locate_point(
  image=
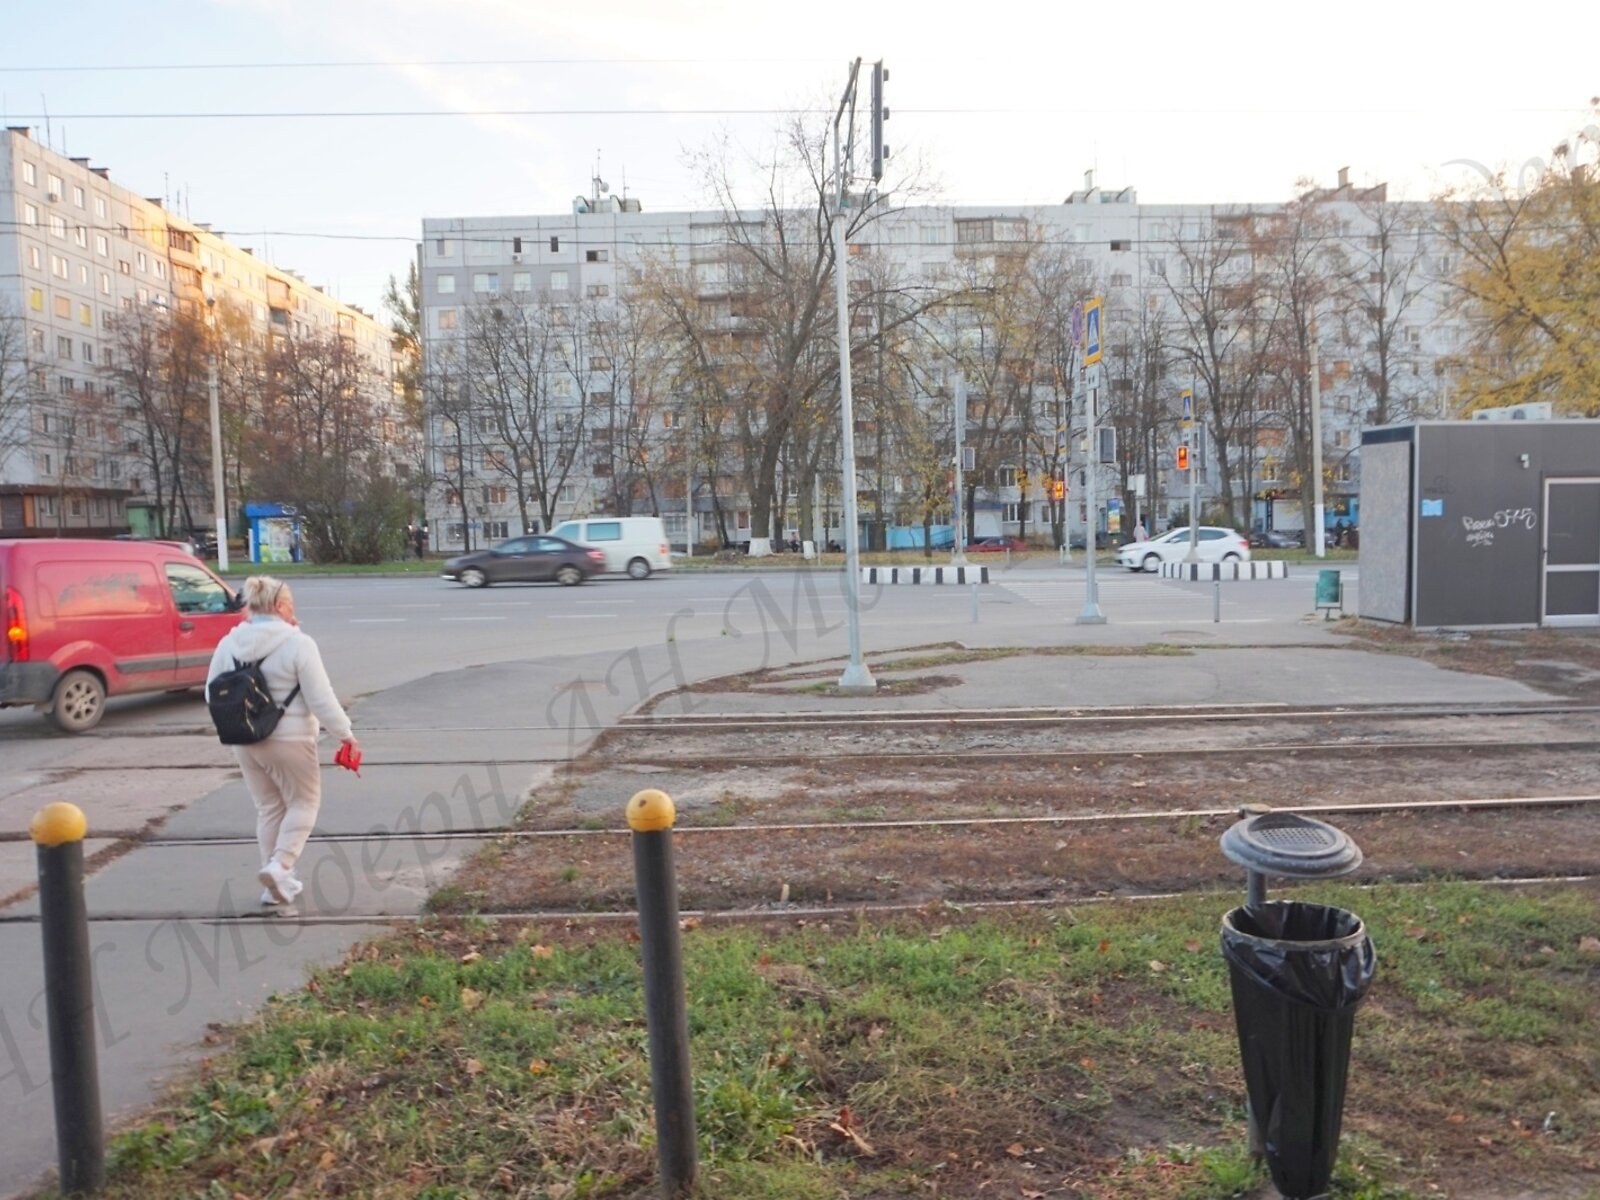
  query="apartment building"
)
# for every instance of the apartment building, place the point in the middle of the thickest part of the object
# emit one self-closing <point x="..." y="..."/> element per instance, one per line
<point x="1142" y="258"/>
<point x="78" y="252"/>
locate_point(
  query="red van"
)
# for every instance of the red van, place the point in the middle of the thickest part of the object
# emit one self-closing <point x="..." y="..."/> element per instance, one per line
<point x="87" y="619"/>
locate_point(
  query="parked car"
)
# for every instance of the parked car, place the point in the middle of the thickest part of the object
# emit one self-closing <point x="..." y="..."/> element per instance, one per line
<point x="86" y="619"/>
<point x="634" y="546"/>
<point x="1215" y="544"/>
<point x="1102" y="540"/>
<point x="996" y="545"/>
<point x="1278" y="539"/>
<point x="536" y="558"/>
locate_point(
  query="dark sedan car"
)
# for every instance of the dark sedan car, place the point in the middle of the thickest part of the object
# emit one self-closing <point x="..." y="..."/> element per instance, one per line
<point x="536" y="558"/>
<point x="1278" y="539"/>
<point x="996" y="545"/>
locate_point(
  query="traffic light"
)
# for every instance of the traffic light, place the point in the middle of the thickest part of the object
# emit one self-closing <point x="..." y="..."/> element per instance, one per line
<point x="1183" y="458"/>
<point x="880" y="114"/>
<point x="1058" y="489"/>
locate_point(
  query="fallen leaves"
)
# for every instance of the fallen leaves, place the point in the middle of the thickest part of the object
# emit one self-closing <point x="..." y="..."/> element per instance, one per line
<point x="845" y="1127"/>
<point x="470" y="999"/>
<point x="1589" y="945"/>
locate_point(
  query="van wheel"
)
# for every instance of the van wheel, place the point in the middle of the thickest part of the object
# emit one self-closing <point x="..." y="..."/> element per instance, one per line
<point x="79" y="701"/>
<point x="569" y="576"/>
<point x="474" y="578"/>
<point x="638" y="569"/>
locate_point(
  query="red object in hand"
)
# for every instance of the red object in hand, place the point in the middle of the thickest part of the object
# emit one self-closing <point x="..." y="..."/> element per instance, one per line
<point x="349" y="757"/>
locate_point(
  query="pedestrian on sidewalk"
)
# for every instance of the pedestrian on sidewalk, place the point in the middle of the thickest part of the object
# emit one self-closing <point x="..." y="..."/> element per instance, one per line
<point x="282" y="772"/>
<point x="1139" y="533"/>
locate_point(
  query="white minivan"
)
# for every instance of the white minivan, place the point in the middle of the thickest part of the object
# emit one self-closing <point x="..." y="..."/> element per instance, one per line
<point x="635" y="546"/>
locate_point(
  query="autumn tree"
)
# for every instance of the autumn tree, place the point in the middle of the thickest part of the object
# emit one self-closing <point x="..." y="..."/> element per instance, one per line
<point x="1529" y="285"/>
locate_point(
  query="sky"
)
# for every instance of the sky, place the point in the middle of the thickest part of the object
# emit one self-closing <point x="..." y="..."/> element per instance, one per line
<point x="1189" y="103"/>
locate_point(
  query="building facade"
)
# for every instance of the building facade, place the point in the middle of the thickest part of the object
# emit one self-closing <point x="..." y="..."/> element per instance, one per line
<point x="81" y="258"/>
<point x="1167" y="273"/>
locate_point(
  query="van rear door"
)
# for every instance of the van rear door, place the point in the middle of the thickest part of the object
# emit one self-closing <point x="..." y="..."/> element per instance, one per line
<point x="203" y="616"/>
<point x="110" y="614"/>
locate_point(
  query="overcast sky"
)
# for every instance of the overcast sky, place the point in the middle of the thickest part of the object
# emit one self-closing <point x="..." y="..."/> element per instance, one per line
<point x="1005" y="103"/>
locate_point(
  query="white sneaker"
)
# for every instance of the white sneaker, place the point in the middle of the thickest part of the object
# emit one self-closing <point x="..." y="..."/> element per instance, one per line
<point x="268" y="900"/>
<point x="280" y="882"/>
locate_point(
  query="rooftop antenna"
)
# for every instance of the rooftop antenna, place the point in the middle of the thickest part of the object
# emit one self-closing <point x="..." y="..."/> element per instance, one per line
<point x="45" y="108"/>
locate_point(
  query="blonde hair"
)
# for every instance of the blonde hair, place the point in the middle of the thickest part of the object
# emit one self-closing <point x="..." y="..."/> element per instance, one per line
<point x="262" y="592"/>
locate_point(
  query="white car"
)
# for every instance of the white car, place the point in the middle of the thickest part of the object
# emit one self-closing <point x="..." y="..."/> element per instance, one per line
<point x="1216" y="545"/>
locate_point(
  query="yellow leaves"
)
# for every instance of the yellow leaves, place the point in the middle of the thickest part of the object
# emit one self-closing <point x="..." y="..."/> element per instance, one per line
<point x="538" y="1067"/>
<point x="470" y="999"/>
<point x="474" y="1067"/>
<point x="541" y="951"/>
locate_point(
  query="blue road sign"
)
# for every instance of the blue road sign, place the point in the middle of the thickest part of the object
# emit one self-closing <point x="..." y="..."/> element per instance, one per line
<point x="1188" y="406"/>
<point x="1091" y="332"/>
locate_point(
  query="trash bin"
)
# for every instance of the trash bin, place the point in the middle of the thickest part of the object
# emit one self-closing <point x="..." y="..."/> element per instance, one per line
<point x="1330" y="592"/>
<point x="1298" y="973"/>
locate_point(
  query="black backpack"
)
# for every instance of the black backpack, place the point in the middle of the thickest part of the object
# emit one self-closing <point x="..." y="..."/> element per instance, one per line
<point x="242" y="708"/>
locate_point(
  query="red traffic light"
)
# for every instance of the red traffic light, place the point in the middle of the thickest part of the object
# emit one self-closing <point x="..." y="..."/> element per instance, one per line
<point x="1183" y="458"/>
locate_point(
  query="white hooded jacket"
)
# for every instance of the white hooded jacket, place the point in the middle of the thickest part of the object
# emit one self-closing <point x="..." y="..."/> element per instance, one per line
<point x="288" y="657"/>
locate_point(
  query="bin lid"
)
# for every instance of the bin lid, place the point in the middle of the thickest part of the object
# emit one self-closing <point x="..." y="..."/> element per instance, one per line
<point x="1281" y="843"/>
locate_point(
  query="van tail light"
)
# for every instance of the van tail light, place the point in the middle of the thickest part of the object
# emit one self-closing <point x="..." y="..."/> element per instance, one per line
<point x="663" y="550"/>
<point x="16" y="627"/>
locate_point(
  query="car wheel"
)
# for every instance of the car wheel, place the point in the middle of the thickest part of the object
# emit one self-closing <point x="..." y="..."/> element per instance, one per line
<point x="474" y="578"/>
<point x="569" y="576"/>
<point x="79" y="701"/>
<point x="1152" y="562"/>
<point x="1227" y="558"/>
<point x="638" y="569"/>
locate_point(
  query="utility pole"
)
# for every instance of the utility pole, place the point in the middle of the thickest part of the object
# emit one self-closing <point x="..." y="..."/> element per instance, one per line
<point x="856" y="679"/>
<point x="213" y="388"/>
<point x="688" y="487"/>
<point x="1316" y="445"/>
<point x="958" y="556"/>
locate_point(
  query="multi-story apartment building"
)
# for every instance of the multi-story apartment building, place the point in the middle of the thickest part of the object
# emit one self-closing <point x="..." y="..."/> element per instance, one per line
<point x="80" y="254"/>
<point x="1156" y="266"/>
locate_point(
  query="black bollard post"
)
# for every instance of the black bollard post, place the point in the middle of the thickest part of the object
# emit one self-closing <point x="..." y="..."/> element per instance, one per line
<point x="650" y="816"/>
<point x="58" y="831"/>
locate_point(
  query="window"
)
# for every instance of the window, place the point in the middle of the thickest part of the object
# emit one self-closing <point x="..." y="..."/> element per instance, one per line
<point x="194" y="591"/>
<point x="105" y="284"/>
<point x="85" y="317"/>
<point x="88" y="355"/>
<point x="594" y="256"/>
<point x="446" y="285"/>
<point x="599" y="362"/>
<point x="1119" y="245"/>
<point x="58" y="266"/>
<point x="522" y="281"/>
<point x="123" y="267"/>
<point x="516" y="245"/>
<point x="555" y="245"/>
<point x="597" y="290"/>
<point x="83" y="274"/>
<point x="36" y="344"/>
<point x="30" y="174"/>
<point x="36" y="299"/>
<point x="447" y="318"/>
<point x="161" y="268"/>
<point x="496" y="530"/>
<point x="444" y="248"/>
<point x="35" y="259"/>
<point x="77" y="196"/>
<point x="668" y="418"/>
<point x="100" y="206"/>
<point x="80" y="237"/>
<point x="63" y="307"/>
<point x="102" y="245"/>
<point x="56" y="186"/>
<point x="30" y="214"/>
<point x="486" y="281"/>
<point x="144" y="262"/>
<point x="494" y="495"/>
<point x="58" y="226"/>
<point x="605" y="531"/>
<point x="558" y="281"/>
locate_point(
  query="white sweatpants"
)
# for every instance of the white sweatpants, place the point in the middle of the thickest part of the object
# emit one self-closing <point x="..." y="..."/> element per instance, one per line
<point x="285" y="781"/>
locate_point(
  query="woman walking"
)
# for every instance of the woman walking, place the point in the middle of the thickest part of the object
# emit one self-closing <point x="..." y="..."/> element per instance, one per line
<point x="281" y="771"/>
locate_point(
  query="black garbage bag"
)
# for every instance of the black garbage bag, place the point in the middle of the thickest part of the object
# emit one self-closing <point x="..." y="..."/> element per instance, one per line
<point x="1298" y="973"/>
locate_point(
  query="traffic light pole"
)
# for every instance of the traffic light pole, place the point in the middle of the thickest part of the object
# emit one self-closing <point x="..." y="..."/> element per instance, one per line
<point x="958" y="556"/>
<point x="1091" y="614"/>
<point x="1194" y="489"/>
<point x="856" y="679"/>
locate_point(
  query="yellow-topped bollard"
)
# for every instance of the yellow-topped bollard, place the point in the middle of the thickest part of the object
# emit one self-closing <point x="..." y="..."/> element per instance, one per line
<point x="650" y="811"/>
<point x="57" y="824"/>
<point x="58" y="831"/>
<point x="650" y="816"/>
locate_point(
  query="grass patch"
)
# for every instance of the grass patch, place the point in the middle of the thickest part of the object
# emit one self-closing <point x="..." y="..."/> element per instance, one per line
<point x="1086" y="1053"/>
<point x="409" y="566"/>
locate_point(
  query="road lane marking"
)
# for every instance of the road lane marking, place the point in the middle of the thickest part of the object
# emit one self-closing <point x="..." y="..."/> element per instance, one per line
<point x="474" y="618"/>
<point x="583" y="616"/>
<point x="377" y="620"/>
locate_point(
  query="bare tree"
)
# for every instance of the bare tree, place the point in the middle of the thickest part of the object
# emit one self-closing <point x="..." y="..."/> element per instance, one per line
<point x="16" y="381"/>
<point x="1385" y="278"/>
